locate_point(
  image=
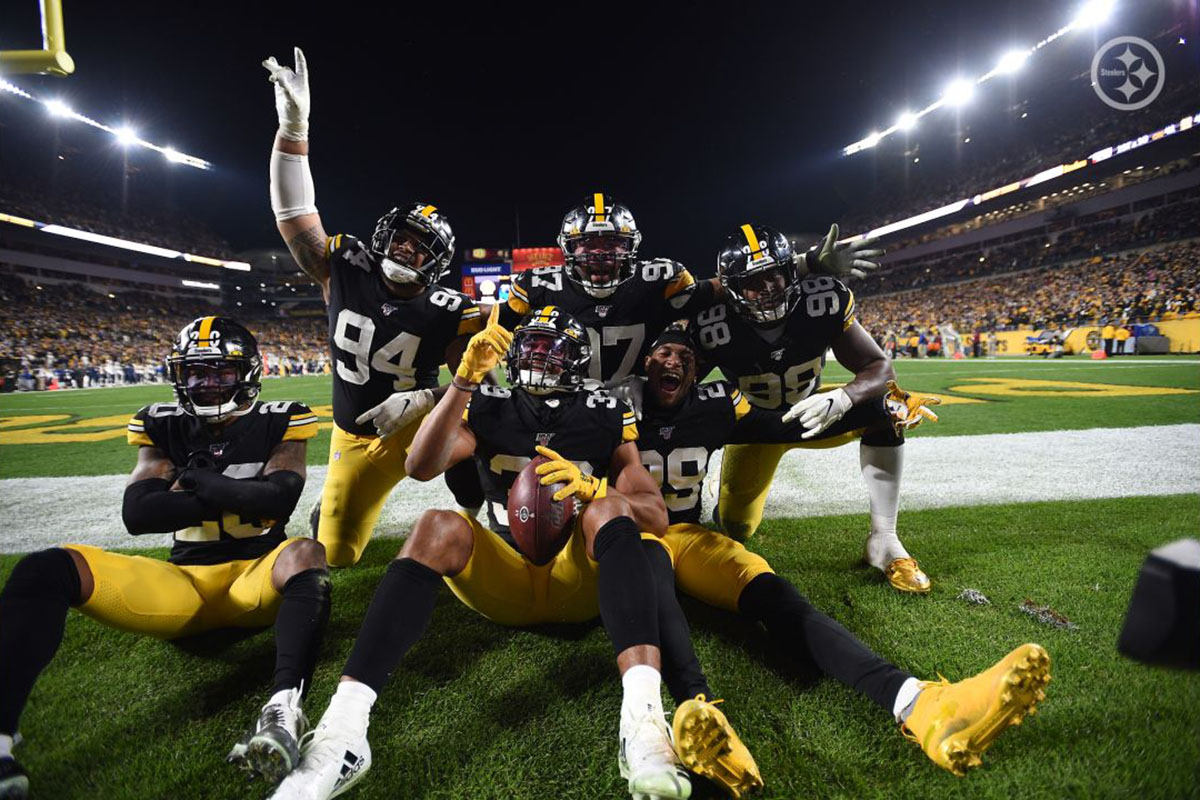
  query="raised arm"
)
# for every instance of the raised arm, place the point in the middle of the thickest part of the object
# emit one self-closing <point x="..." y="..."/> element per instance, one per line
<point x="293" y="197"/>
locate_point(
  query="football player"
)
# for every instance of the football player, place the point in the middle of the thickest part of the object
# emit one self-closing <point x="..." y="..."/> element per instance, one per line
<point x="622" y="301"/>
<point x="391" y="327"/>
<point x="682" y="425"/>
<point x="605" y="569"/>
<point x="223" y="471"/>
<point x="770" y="336"/>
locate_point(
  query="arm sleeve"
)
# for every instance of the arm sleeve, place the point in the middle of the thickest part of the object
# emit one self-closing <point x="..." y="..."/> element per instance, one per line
<point x="272" y="497"/>
<point x="150" y="507"/>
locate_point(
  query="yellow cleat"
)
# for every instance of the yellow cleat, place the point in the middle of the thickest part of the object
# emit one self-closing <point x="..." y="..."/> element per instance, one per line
<point x="955" y="722"/>
<point x="906" y="576"/>
<point x="708" y="746"/>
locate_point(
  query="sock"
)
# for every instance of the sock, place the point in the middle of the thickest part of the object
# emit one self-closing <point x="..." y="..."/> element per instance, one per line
<point x="33" y="615"/>
<point x="813" y="638"/>
<point x="625" y="585"/>
<point x="680" y="668"/>
<point x="352" y="697"/>
<point x="642" y="687"/>
<point x="906" y="698"/>
<point x="300" y="628"/>
<point x="881" y="469"/>
<point x="6" y="745"/>
<point x="396" y="619"/>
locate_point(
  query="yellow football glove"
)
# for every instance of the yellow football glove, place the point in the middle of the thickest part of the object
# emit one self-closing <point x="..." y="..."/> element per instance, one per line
<point x="909" y="409"/>
<point x="485" y="349"/>
<point x="585" y="488"/>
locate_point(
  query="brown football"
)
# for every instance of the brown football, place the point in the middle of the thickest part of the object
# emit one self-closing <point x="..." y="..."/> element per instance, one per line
<point x="540" y="526"/>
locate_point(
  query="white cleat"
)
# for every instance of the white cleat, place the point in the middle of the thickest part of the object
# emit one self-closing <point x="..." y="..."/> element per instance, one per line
<point x="335" y="758"/>
<point x="648" y="761"/>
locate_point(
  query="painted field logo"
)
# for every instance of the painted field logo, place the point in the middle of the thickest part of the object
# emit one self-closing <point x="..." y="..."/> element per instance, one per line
<point x="1128" y="73"/>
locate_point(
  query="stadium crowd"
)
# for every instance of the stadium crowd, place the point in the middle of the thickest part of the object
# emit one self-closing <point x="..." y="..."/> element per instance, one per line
<point x="73" y="336"/>
<point x="1131" y="287"/>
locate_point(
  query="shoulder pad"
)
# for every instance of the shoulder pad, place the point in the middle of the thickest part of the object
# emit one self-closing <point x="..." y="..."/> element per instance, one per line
<point x="350" y="250"/>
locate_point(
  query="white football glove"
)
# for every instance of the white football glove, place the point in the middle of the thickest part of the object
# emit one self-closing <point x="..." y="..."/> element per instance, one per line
<point x="291" y="97"/>
<point x="818" y="411"/>
<point x="398" y="411"/>
<point x="855" y="259"/>
<point x="631" y="391"/>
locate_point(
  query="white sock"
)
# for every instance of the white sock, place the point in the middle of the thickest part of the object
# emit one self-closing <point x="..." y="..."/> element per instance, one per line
<point x="280" y="697"/>
<point x="6" y="745"/>
<point x="643" y="691"/>
<point x="881" y="469"/>
<point x="906" y="698"/>
<point x="352" y="698"/>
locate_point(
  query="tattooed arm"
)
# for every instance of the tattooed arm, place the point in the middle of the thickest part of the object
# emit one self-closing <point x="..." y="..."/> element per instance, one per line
<point x="305" y="235"/>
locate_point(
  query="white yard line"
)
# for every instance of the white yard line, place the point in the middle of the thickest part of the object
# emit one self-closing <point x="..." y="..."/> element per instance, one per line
<point x="939" y="472"/>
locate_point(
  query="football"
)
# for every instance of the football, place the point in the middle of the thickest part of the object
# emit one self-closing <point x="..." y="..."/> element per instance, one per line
<point x="540" y="526"/>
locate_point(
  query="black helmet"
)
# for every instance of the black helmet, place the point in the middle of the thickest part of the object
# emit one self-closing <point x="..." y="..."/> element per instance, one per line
<point x="599" y="216"/>
<point x="747" y="258"/>
<point x="550" y="351"/>
<point x="435" y="239"/>
<point x="215" y="368"/>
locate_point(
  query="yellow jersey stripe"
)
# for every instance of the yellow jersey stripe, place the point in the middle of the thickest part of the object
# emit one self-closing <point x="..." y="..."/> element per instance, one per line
<point x="756" y="248"/>
<point x="849" y="314"/>
<point x="741" y="406"/>
<point x="299" y="433"/>
<point x="515" y="290"/>
<point x="471" y="325"/>
<point x="629" y="433"/>
<point x="473" y="311"/>
<point x="520" y="305"/>
<point x="138" y="438"/>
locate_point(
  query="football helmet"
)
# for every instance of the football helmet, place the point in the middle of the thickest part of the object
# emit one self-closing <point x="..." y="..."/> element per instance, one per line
<point x="599" y="239"/>
<point x="550" y="352"/>
<point x="433" y="238"/>
<point x="756" y="267"/>
<point x="216" y="368"/>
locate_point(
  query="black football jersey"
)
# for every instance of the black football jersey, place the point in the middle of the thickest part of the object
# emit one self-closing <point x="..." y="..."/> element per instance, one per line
<point x="381" y="343"/>
<point x="240" y="450"/>
<point x="776" y="373"/>
<point x="621" y="326"/>
<point x="676" y="444"/>
<point x="583" y="427"/>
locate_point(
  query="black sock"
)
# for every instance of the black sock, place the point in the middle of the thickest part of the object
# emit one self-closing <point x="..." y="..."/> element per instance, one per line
<point x="625" y="585"/>
<point x="681" y="669"/>
<point x="300" y="627"/>
<point x="397" y="618"/>
<point x="33" y="615"/>
<point x="812" y="637"/>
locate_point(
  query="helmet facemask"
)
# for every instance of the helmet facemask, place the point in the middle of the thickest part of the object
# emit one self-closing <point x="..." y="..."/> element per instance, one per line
<point x="549" y="353"/>
<point x="764" y="295"/>
<point x="599" y="262"/>
<point x="413" y="246"/>
<point x="214" y="388"/>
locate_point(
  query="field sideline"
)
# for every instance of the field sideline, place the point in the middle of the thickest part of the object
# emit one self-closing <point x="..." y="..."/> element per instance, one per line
<point x="1044" y="480"/>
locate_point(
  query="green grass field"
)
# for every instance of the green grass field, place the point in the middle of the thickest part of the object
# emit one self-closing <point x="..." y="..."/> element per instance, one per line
<point x="480" y="711"/>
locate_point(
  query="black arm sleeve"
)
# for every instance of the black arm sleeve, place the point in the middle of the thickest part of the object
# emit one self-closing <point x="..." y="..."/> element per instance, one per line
<point x="761" y="426"/>
<point x="273" y="497"/>
<point x="151" y="507"/>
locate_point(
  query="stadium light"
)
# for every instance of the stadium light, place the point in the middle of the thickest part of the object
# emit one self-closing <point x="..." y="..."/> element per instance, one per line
<point x="907" y="121"/>
<point x="199" y="284"/>
<point x="958" y="93"/>
<point x="1011" y="61"/>
<point x="58" y="108"/>
<point x="1093" y="13"/>
<point x="126" y="136"/>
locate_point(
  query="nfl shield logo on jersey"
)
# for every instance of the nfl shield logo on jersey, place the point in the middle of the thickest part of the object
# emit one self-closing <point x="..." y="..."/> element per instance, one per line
<point x="544" y="438"/>
<point x="666" y="431"/>
<point x="388" y="309"/>
<point x="777" y="354"/>
<point x="602" y="311"/>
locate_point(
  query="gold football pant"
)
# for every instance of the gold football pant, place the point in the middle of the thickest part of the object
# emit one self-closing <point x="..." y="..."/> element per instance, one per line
<point x="502" y="586"/>
<point x="710" y="566"/>
<point x="158" y="598"/>
<point x="363" y="470"/>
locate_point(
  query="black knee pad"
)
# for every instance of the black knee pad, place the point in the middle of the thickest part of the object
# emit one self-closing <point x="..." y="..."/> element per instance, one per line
<point x="49" y="574"/>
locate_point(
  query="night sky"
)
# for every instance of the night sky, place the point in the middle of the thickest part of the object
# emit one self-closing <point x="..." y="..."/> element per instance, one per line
<point x="697" y="116"/>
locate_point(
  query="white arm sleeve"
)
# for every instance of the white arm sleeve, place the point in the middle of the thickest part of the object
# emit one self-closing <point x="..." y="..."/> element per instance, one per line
<point x="292" y="191"/>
